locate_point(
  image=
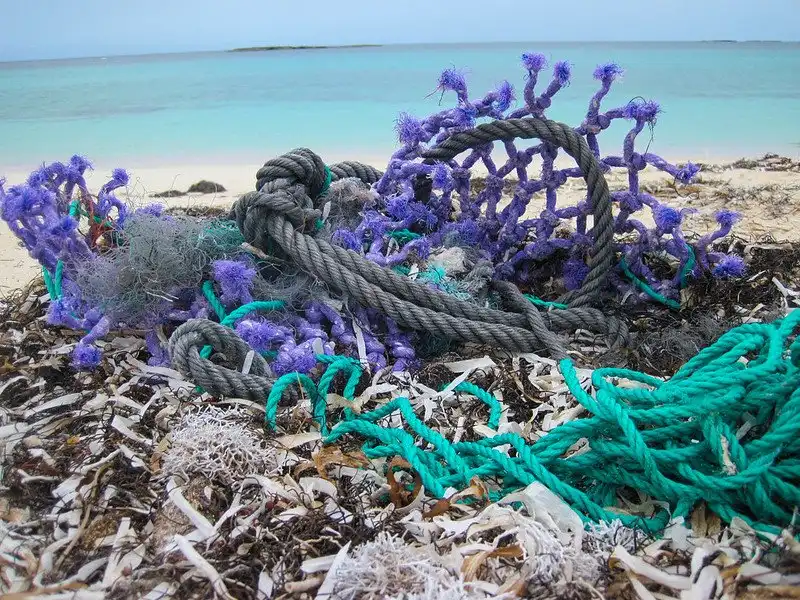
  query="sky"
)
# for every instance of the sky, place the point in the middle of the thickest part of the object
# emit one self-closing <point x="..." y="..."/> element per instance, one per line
<point x="40" y="29"/>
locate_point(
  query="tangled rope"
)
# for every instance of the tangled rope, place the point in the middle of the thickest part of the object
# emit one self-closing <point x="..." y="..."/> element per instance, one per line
<point x="723" y="430"/>
<point x="281" y="216"/>
<point x="601" y="257"/>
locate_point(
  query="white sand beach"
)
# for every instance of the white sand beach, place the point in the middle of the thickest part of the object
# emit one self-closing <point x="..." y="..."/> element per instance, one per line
<point x="769" y="200"/>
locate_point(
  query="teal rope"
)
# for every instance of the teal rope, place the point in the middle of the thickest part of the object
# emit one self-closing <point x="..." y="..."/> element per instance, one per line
<point x="544" y="303"/>
<point x="53" y="283"/>
<point x="250" y="307"/>
<point x="495" y="408"/>
<point x="665" y="440"/>
<point x="343" y="364"/>
<point x="691" y="261"/>
<point x="318" y="394"/>
<point x="404" y="235"/>
<point x="642" y="285"/>
<point x="216" y="305"/>
<point x="327" y="185"/>
<point x="281" y="385"/>
<point x="433" y="274"/>
<point x="48" y="283"/>
<point x="239" y="313"/>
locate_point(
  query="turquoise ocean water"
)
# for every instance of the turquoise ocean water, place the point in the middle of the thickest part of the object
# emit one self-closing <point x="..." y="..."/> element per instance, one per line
<point x="719" y="99"/>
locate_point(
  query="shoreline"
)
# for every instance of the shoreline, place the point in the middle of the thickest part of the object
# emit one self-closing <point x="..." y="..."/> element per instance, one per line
<point x="237" y="172"/>
<point x="16" y="172"/>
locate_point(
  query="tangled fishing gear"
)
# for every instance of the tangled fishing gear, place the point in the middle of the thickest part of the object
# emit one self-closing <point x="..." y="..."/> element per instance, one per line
<point x="426" y="220"/>
<point x="389" y="260"/>
<point x="722" y="430"/>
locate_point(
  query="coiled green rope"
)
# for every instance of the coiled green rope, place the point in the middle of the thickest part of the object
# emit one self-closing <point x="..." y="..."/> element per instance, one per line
<point x="723" y="430"/>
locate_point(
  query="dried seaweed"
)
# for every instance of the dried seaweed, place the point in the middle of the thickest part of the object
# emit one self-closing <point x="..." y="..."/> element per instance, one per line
<point x="104" y="495"/>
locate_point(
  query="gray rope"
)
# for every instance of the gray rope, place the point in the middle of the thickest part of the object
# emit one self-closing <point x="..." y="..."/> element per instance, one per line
<point x="303" y="165"/>
<point x="184" y="348"/>
<point x="601" y="257"/>
<point x="281" y="215"/>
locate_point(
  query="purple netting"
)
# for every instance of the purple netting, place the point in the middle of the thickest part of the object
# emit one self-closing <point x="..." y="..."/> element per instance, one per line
<point x="524" y="246"/>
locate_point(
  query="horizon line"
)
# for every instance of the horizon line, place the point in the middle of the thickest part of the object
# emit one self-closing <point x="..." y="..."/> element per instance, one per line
<point x="368" y="46"/>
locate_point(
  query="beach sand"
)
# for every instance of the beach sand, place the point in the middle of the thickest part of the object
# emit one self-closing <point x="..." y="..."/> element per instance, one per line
<point x="769" y="200"/>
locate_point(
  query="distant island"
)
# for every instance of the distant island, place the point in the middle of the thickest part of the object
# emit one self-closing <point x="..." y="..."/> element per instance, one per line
<point x="273" y="48"/>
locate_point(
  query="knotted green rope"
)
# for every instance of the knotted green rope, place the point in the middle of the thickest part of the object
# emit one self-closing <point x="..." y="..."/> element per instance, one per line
<point x="724" y="430"/>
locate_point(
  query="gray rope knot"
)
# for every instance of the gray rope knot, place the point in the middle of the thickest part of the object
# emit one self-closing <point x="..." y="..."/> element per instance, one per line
<point x="300" y="166"/>
<point x="290" y="186"/>
<point x="286" y="186"/>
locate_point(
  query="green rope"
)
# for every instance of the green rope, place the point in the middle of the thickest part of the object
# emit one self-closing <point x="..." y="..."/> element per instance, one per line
<point x="495" y="408"/>
<point x="48" y="283"/>
<point x="435" y="275"/>
<point x="404" y="235"/>
<point x="229" y="320"/>
<point x="327" y="185"/>
<point x="281" y="385"/>
<point x="691" y="261"/>
<point x="677" y="441"/>
<point x="642" y="285"/>
<point x="95" y="218"/>
<point x="53" y="283"/>
<point x="318" y="394"/>
<point x="544" y="303"/>
<point x="250" y="307"/>
<point x="337" y="364"/>
<point x="216" y="305"/>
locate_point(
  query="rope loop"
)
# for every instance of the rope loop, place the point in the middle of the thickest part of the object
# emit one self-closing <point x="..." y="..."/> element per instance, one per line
<point x="601" y="257"/>
<point x="186" y="345"/>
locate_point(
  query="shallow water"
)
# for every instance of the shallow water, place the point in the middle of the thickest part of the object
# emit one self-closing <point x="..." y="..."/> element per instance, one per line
<point x="719" y="99"/>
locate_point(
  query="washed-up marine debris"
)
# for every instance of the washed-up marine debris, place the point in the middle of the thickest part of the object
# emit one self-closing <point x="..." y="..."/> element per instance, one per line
<point x="337" y="270"/>
<point x="428" y="220"/>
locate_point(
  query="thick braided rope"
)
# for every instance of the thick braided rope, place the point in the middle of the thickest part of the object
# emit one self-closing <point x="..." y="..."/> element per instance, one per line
<point x="186" y="344"/>
<point x="283" y="211"/>
<point x="601" y="257"/>
<point x="308" y="254"/>
<point x="303" y="165"/>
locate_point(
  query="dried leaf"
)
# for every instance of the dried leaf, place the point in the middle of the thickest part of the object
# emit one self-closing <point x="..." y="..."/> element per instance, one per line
<point x="333" y="455"/>
<point x="472" y="564"/>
